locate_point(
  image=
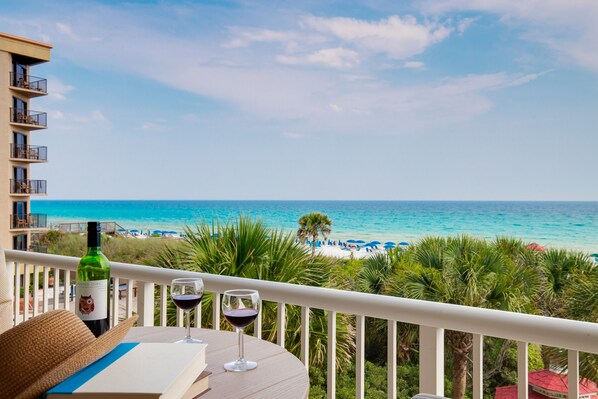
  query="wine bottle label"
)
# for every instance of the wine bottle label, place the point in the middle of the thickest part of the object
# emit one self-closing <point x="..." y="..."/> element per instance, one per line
<point x="91" y="300"/>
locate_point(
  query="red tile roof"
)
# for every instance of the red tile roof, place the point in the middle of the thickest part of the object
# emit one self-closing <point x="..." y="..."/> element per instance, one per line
<point x="510" y="392"/>
<point x="552" y="381"/>
<point x="548" y="380"/>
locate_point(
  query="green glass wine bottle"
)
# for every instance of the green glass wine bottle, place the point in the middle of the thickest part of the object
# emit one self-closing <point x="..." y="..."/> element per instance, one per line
<point x="93" y="284"/>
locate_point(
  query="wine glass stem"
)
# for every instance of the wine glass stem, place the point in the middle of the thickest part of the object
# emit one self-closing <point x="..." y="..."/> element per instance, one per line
<point x="188" y="325"/>
<point x="241" y="346"/>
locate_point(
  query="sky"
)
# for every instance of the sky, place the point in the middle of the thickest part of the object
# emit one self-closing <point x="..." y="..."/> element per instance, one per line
<point x="332" y="100"/>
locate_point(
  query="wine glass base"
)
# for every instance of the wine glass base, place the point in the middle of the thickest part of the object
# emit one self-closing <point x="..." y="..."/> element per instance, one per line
<point x="240" y="365"/>
<point x="189" y="341"/>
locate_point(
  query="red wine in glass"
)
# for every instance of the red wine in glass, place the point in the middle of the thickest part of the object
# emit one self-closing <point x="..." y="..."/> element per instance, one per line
<point x="240" y="318"/>
<point x="240" y="308"/>
<point x="186" y="302"/>
<point x="186" y="294"/>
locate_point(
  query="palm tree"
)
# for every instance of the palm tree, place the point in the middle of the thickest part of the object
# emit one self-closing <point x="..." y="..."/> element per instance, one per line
<point x="247" y="248"/>
<point x="464" y="271"/>
<point x="311" y="225"/>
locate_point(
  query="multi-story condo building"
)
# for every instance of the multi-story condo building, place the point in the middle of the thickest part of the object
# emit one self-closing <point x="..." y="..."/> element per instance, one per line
<point x="18" y="124"/>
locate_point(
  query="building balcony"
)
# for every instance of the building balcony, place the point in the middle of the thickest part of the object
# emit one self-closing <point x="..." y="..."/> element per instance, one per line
<point x="29" y="86"/>
<point x="27" y="187"/>
<point x="30" y="120"/>
<point x="28" y="153"/>
<point x="431" y="318"/>
<point x="28" y="221"/>
<point x="38" y="248"/>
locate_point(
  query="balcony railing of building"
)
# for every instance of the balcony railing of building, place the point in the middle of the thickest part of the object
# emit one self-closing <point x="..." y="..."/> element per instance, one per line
<point x="25" y="186"/>
<point x="29" y="82"/>
<point x="29" y="221"/>
<point x="33" y="119"/>
<point x="151" y="284"/>
<point x="38" y="248"/>
<point x="29" y="153"/>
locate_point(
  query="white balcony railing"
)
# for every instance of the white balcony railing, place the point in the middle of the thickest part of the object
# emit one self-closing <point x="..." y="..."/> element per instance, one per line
<point x="432" y="318"/>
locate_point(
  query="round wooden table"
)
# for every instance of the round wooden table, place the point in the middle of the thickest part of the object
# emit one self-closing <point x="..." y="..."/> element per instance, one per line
<point x="279" y="374"/>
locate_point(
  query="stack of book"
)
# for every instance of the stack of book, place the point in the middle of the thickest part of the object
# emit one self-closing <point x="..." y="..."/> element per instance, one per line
<point x="140" y="371"/>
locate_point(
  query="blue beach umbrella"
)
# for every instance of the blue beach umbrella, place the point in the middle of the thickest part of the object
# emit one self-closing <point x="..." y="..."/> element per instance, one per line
<point x="403" y="243"/>
<point x="351" y="241"/>
<point x="389" y="243"/>
<point x="359" y="242"/>
<point x="134" y="231"/>
<point x="157" y="232"/>
<point x="369" y="244"/>
<point x="376" y="242"/>
<point x="387" y="246"/>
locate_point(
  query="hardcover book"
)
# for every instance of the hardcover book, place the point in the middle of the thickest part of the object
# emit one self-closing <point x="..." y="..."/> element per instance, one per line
<point x="137" y="371"/>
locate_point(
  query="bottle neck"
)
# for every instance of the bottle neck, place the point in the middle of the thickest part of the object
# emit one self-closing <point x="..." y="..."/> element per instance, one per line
<point x="94" y="240"/>
<point x="94" y="250"/>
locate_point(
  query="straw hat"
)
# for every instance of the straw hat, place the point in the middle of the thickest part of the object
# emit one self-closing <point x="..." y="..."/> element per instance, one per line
<point x="45" y="350"/>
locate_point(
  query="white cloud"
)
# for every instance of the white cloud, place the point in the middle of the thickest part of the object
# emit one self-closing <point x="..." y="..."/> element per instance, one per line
<point x="399" y="38"/>
<point x="293" y="136"/>
<point x="245" y="37"/>
<point x="310" y="99"/>
<point x="570" y="28"/>
<point x="414" y="65"/>
<point x="339" y="58"/>
<point x="336" y="108"/>
<point x="67" y="30"/>
<point x="98" y="116"/>
<point x="335" y="57"/>
<point x="57" y="90"/>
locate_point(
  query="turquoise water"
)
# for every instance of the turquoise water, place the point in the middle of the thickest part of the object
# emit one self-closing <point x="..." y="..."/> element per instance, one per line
<point x="560" y="224"/>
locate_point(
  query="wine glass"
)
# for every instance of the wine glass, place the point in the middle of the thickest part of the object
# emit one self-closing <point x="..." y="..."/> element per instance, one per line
<point x="240" y="308"/>
<point x="186" y="294"/>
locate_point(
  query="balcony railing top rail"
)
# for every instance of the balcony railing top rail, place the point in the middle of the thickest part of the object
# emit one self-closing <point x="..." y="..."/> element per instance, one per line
<point x="29" y="152"/>
<point x="29" y="82"/>
<point x="25" y="186"/>
<point x="32" y="118"/>
<point x="562" y="333"/>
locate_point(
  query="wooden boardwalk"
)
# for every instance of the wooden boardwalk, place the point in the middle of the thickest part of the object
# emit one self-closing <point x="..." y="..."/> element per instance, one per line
<point x="112" y="228"/>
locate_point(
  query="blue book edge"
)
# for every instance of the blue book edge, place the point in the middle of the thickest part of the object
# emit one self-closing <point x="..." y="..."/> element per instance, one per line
<point x="72" y="383"/>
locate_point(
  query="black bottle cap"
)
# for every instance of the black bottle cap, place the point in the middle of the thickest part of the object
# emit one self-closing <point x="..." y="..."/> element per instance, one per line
<point x="93" y="234"/>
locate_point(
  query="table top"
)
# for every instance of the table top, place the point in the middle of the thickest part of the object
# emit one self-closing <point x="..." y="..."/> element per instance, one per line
<point x="279" y="374"/>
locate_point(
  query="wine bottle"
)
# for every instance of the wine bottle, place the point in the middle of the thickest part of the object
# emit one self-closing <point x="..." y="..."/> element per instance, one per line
<point x="93" y="284"/>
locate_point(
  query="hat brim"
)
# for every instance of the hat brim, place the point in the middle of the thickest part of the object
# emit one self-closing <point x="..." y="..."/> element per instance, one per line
<point x="82" y="358"/>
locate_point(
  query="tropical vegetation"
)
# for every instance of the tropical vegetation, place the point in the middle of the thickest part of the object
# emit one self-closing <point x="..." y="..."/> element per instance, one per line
<point x="498" y="274"/>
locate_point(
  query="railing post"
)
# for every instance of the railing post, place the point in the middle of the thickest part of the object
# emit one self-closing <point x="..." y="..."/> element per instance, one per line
<point x="17" y="293"/>
<point x="46" y="290"/>
<point x="163" y="304"/>
<point x="360" y="357"/>
<point x="115" y="299"/>
<point x="130" y="291"/>
<point x="36" y="290"/>
<point x="145" y="304"/>
<point x="257" y="324"/>
<point x="478" y="368"/>
<point x="522" y="381"/>
<point x="26" y="293"/>
<point x="573" y="373"/>
<point x="281" y="318"/>
<point x="305" y="336"/>
<point x="11" y="287"/>
<point x="216" y="311"/>
<point x="67" y="290"/>
<point x="331" y="388"/>
<point x="431" y="360"/>
<point x="391" y="360"/>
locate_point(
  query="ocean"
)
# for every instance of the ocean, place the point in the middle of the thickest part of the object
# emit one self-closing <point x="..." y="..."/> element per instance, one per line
<point x="572" y="225"/>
